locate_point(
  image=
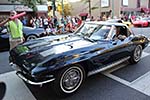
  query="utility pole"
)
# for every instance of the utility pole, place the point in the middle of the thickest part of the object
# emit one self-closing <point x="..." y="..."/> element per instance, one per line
<point x="62" y="3"/>
<point x="100" y="9"/>
<point x="112" y="8"/>
<point x="148" y="3"/>
<point x="54" y="7"/>
<point x="90" y="7"/>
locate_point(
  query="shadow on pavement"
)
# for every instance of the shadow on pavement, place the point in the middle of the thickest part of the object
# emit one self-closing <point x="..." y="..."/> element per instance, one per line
<point x="97" y="87"/>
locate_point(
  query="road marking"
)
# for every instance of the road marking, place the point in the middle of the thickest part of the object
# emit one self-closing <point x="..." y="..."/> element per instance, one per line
<point x="117" y="78"/>
<point x="15" y="87"/>
<point x="144" y="54"/>
<point x="141" y="84"/>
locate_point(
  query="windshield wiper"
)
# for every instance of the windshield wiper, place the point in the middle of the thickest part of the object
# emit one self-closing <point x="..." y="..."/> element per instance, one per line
<point x="80" y="34"/>
<point x="86" y="38"/>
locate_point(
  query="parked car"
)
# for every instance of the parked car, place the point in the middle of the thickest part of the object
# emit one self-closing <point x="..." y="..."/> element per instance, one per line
<point x="66" y="60"/>
<point x="141" y="23"/>
<point x="29" y="34"/>
<point x="147" y="19"/>
<point x="120" y="21"/>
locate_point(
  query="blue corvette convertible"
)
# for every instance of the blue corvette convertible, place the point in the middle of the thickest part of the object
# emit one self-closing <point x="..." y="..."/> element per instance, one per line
<point x="66" y="60"/>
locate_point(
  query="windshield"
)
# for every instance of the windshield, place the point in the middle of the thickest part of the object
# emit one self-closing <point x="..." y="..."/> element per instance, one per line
<point x="94" y="31"/>
<point x="146" y="19"/>
<point x="101" y="33"/>
<point x="87" y="29"/>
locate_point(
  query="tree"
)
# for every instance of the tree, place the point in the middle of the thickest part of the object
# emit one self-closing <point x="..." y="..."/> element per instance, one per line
<point x="63" y="8"/>
<point x="30" y="3"/>
<point x="67" y="9"/>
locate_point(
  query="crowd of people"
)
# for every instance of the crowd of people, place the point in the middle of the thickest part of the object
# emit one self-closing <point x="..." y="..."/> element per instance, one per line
<point x="53" y="25"/>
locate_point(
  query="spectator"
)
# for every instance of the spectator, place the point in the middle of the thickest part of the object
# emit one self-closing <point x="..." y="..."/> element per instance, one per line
<point x="24" y="21"/>
<point x="45" y="23"/>
<point x="32" y="22"/>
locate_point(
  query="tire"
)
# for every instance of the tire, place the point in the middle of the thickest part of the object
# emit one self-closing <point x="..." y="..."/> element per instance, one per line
<point x="149" y="24"/>
<point x="136" y="55"/>
<point x="69" y="80"/>
<point x="31" y="37"/>
<point x="2" y="90"/>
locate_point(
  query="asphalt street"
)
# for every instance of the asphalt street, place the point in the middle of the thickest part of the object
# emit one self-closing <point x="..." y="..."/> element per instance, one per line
<point x="124" y="82"/>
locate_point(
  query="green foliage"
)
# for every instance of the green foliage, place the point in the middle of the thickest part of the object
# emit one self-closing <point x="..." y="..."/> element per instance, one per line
<point x="66" y="11"/>
<point x="30" y="3"/>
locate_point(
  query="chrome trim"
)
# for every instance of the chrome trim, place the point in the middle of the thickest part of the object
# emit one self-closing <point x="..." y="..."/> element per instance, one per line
<point x="15" y="67"/>
<point x="107" y="67"/>
<point x="31" y="82"/>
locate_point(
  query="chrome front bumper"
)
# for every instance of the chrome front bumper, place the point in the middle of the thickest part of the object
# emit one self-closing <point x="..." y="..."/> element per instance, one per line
<point x="31" y="82"/>
<point x="20" y="75"/>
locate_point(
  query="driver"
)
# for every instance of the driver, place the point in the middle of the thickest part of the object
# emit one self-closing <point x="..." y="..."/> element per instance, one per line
<point x="118" y="35"/>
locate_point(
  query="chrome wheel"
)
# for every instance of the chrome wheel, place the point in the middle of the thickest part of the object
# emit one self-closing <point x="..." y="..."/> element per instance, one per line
<point x="71" y="79"/>
<point x="31" y="37"/>
<point x="137" y="53"/>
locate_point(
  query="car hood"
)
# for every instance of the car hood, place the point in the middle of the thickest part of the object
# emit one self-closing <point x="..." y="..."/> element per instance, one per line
<point x="138" y="22"/>
<point x="40" y="50"/>
<point x="52" y="45"/>
<point x="56" y="44"/>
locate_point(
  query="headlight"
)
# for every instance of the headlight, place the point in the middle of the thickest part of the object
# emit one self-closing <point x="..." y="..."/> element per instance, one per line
<point x="33" y="64"/>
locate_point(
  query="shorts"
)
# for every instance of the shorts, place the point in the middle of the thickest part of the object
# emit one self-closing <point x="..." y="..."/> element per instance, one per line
<point x="14" y="42"/>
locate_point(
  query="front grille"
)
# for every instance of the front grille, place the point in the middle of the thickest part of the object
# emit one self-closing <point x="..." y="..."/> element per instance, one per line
<point x="18" y="60"/>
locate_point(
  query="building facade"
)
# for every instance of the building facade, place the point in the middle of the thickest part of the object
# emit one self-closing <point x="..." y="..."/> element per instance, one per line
<point x="112" y="7"/>
<point x="6" y="7"/>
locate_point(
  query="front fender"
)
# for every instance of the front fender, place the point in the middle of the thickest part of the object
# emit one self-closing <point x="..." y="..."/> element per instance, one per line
<point x="73" y="59"/>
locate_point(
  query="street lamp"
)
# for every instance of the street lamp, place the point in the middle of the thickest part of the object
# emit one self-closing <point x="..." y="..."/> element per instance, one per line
<point x="62" y="3"/>
<point x="54" y="7"/>
<point x="112" y="8"/>
<point x="90" y="7"/>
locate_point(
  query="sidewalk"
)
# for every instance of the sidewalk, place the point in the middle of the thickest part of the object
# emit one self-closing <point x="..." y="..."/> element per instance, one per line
<point x="15" y="87"/>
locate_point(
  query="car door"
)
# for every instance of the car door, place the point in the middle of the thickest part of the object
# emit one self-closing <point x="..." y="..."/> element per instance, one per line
<point x="119" y="48"/>
<point x="102" y="54"/>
